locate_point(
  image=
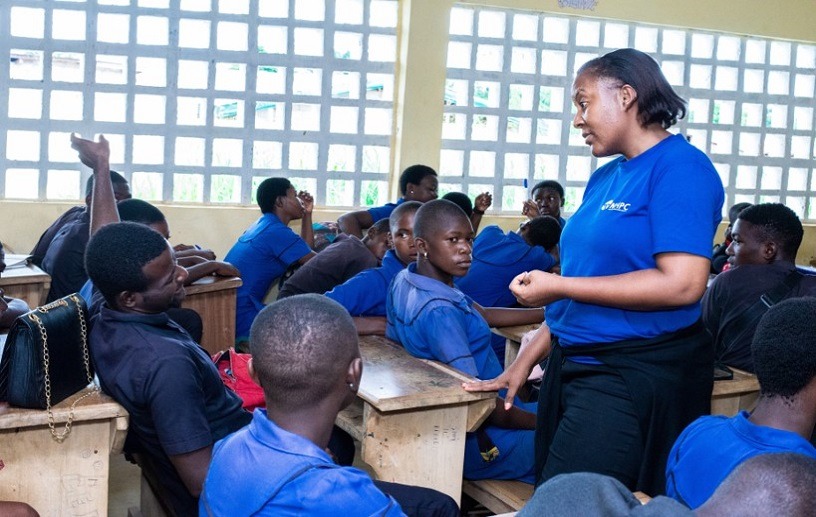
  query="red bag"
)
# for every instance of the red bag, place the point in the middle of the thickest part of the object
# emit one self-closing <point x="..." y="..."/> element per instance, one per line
<point x="232" y="366"/>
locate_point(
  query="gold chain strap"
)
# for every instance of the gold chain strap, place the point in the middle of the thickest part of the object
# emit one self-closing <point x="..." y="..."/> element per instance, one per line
<point x="60" y="436"/>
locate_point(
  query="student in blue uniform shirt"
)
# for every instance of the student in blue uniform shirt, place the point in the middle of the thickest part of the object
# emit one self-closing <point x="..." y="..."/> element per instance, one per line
<point x="269" y="247"/>
<point x="417" y="183"/>
<point x="306" y="357"/>
<point x="547" y="198"/>
<point x="434" y="320"/>
<point x="363" y="295"/>
<point x="783" y="421"/>
<point x="630" y="366"/>
<point x="499" y="257"/>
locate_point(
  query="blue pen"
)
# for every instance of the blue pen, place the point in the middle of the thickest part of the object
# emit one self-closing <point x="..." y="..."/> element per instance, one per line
<point x="525" y="183"/>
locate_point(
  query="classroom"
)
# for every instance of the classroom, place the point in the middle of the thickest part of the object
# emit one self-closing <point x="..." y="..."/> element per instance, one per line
<point x="202" y="100"/>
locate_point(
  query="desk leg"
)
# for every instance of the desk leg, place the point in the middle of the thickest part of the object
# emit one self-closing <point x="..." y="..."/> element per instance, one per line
<point x="423" y="448"/>
<point x="511" y="350"/>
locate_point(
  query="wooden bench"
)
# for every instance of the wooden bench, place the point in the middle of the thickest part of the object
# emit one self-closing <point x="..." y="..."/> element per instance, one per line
<point x="411" y="417"/>
<point x="68" y="478"/>
<point x="213" y="298"/>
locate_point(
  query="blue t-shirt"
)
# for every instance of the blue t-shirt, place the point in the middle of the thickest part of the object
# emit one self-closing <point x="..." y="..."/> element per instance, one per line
<point x="435" y="321"/>
<point x="713" y="446"/>
<point x="499" y="257"/>
<point x="667" y="199"/>
<point x="265" y="470"/>
<point x="262" y="254"/>
<point x="364" y="293"/>
<point x="383" y="212"/>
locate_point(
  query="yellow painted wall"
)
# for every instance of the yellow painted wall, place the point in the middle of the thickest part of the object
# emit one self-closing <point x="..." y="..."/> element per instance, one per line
<point x="420" y="88"/>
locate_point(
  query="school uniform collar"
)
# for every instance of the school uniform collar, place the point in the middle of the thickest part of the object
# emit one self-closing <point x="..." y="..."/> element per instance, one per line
<point x="435" y="287"/>
<point x="268" y="433"/>
<point x="160" y="319"/>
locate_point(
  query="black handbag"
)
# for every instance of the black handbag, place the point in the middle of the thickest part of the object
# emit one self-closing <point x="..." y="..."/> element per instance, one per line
<point x="46" y="359"/>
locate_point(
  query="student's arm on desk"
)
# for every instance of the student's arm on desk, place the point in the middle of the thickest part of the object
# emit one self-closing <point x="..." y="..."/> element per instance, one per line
<point x="503" y="317"/>
<point x="192" y="468"/>
<point x="370" y="325"/>
<point x="352" y="223"/>
<point x="208" y="268"/>
<point x="194" y="252"/>
<point x="515" y="375"/>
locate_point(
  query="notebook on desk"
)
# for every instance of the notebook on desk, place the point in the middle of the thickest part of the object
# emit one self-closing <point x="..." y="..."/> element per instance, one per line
<point x="15" y="261"/>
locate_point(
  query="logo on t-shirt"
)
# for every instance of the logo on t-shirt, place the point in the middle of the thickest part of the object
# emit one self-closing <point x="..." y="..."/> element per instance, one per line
<point x="620" y="206"/>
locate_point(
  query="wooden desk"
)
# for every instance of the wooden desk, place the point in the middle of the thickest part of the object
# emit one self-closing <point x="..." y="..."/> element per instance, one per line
<point x="411" y="417"/>
<point x="30" y="283"/>
<point x="727" y="398"/>
<point x="213" y="298"/>
<point x="69" y="478"/>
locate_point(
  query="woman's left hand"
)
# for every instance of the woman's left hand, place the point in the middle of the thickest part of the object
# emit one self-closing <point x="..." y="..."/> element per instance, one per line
<point x="536" y="288"/>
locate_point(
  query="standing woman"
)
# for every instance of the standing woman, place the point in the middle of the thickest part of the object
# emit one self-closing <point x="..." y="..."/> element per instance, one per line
<point x="630" y="365"/>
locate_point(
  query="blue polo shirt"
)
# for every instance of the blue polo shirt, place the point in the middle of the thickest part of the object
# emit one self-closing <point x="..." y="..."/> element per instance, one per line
<point x="667" y="199"/>
<point x="265" y="470"/>
<point x="498" y="257"/>
<point x="262" y="255"/>
<point x="364" y="293"/>
<point x="383" y="212"/>
<point x="713" y="446"/>
<point x="169" y="386"/>
<point x="435" y="321"/>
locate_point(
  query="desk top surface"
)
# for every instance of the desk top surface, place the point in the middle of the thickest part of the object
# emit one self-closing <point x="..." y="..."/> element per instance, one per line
<point x="742" y="382"/>
<point x="23" y="275"/>
<point x="213" y="283"/>
<point x="394" y="380"/>
<point x="97" y="406"/>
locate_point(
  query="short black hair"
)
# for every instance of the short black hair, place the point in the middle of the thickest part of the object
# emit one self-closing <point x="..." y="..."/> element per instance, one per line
<point x="406" y="207"/>
<point x="300" y="345"/>
<point x="782" y="349"/>
<point x="462" y="200"/>
<point x="657" y="101"/>
<point x="116" y="255"/>
<point x="381" y="226"/>
<point x="269" y="191"/>
<point x="734" y="211"/>
<point x="549" y="184"/>
<point x="435" y="213"/>
<point x="139" y="211"/>
<point x="777" y="223"/>
<point x="414" y="174"/>
<point x="544" y="231"/>
<point x="115" y="178"/>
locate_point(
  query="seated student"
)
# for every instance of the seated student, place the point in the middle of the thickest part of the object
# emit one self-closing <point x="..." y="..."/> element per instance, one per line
<point x="306" y="357"/>
<point x="177" y="403"/>
<point x="474" y="210"/>
<point x="121" y="190"/>
<point x="499" y="257"/>
<point x="434" y="320"/>
<point x="547" y="199"/>
<point x="783" y="420"/>
<point x="766" y="238"/>
<point x="64" y="258"/>
<point x="10" y="307"/>
<point x="269" y="247"/>
<point x="768" y="484"/>
<point x="338" y="262"/>
<point x="363" y="295"/>
<point x="417" y="183"/>
<point x="719" y="257"/>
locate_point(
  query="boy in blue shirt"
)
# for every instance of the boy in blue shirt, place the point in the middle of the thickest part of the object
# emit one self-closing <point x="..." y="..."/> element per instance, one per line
<point x="306" y="356"/>
<point x="363" y="295"/>
<point x="417" y="183"/>
<point x="783" y="421"/>
<point x="269" y="247"/>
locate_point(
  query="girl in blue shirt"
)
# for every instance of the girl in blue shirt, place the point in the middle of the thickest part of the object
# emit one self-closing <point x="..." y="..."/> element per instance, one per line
<point x="634" y="262"/>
